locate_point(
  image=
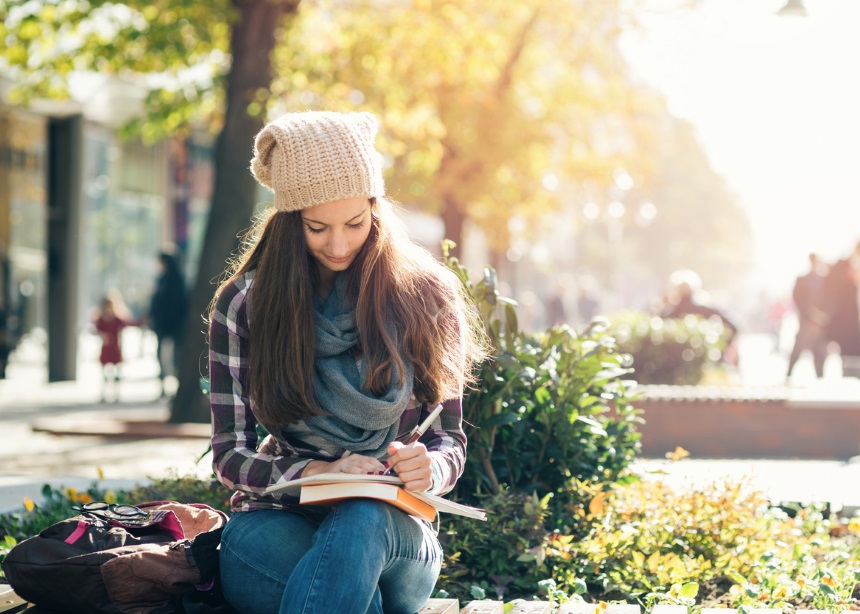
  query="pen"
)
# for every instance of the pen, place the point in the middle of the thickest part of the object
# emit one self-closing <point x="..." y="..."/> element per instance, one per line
<point x="420" y="430"/>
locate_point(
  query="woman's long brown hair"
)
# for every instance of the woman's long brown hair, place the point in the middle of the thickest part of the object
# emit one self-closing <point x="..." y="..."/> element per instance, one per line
<point x="408" y="307"/>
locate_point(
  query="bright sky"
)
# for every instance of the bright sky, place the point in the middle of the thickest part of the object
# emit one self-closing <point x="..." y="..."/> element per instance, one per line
<point x="776" y="104"/>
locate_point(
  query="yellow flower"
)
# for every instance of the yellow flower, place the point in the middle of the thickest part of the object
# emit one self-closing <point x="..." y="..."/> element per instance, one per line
<point x="72" y="493"/>
<point x="677" y="454"/>
<point x="780" y="593"/>
<point x="85" y="497"/>
<point x="854" y="525"/>
<point x="28" y="504"/>
<point x="110" y="497"/>
<point x="828" y="581"/>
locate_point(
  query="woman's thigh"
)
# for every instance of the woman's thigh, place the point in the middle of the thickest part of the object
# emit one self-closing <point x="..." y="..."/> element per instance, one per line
<point x="407" y="556"/>
<point x="259" y="551"/>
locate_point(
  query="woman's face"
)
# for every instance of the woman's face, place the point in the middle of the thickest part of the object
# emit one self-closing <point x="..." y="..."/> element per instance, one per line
<point x="336" y="231"/>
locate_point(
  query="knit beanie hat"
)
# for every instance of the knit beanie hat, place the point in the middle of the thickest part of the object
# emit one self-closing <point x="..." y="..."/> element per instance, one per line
<point x="316" y="157"/>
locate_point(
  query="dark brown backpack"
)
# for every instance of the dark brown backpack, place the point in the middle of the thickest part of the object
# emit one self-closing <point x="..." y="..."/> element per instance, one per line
<point x="88" y="564"/>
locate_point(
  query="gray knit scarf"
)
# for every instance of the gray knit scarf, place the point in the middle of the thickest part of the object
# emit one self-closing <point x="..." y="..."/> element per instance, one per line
<point x="357" y="420"/>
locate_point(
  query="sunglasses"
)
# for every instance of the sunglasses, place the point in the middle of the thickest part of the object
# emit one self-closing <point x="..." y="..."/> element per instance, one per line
<point x="129" y="514"/>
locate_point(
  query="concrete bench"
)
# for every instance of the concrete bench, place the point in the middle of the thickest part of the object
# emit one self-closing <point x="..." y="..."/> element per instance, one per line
<point x="10" y="603"/>
<point x="452" y="606"/>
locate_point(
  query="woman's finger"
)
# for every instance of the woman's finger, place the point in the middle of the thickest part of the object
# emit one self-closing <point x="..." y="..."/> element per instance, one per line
<point x="357" y="464"/>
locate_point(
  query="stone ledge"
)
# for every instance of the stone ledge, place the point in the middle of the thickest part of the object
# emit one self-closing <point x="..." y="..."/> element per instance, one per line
<point x="116" y="428"/>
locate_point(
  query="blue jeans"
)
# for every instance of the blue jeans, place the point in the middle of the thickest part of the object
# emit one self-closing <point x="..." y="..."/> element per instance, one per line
<point x="365" y="556"/>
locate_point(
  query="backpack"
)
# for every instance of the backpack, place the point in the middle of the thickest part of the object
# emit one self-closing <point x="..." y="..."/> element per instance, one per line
<point x="96" y="563"/>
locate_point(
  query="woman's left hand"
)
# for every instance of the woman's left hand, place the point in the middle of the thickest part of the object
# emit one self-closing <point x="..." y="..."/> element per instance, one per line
<point x="412" y="464"/>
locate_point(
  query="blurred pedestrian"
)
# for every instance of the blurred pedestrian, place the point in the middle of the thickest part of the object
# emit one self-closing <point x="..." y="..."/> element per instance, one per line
<point x="5" y="340"/>
<point x="167" y="314"/>
<point x="8" y="327"/>
<point x="841" y="303"/>
<point x="556" y="313"/>
<point x="808" y="295"/>
<point x="587" y="301"/>
<point x="685" y="297"/>
<point x="109" y="321"/>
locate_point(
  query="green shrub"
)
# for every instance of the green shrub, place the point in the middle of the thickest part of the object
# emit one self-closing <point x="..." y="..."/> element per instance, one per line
<point x="680" y="351"/>
<point x="519" y="552"/>
<point x="184" y="489"/>
<point x="506" y="556"/>
<point x="717" y="544"/>
<point x="547" y="408"/>
<point x="56" y="505"/>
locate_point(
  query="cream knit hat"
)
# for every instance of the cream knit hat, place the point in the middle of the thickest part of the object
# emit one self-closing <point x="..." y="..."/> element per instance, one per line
<point x="316" y="157"/>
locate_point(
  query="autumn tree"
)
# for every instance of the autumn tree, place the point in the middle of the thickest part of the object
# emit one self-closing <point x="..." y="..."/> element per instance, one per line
<point x="204" y="60"/>
<point x="698" y="222"/>
<point x="485" y="103"/>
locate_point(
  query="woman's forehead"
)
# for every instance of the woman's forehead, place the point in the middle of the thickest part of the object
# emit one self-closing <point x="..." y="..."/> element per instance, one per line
<point x="337" y="211"/>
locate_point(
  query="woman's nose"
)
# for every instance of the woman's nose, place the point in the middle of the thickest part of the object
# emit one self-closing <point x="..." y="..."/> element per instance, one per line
<point x="338" y="245"/>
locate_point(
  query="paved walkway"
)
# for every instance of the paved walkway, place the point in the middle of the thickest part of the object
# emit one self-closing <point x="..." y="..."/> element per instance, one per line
<point x="31" y="458"/>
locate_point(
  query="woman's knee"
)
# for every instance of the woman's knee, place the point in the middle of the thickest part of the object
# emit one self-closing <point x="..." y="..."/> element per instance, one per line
<point x="259" y="551"/>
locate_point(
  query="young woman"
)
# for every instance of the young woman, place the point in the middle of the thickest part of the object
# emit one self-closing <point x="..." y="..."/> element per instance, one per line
<point x="338" y="335"/>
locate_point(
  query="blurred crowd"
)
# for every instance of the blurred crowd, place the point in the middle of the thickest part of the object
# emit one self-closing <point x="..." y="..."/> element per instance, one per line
<point x="824" y="300"/>
<point x="828" y="313"/>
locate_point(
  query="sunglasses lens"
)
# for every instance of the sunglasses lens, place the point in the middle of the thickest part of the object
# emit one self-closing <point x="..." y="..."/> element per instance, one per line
<point x="94" y="506"/>
<point x="127" y="510"/>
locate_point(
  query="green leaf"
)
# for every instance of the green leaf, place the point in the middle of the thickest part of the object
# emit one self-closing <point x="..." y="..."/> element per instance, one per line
<point x="509" y="362"/>
<point x="501" y="419"/>
<point x="827" y="589"/>
<point x="690" y="590"/>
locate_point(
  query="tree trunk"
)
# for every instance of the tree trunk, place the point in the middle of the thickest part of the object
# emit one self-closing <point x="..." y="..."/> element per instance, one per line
<point x="453" y="218"/>
<point x="253" y="39"/>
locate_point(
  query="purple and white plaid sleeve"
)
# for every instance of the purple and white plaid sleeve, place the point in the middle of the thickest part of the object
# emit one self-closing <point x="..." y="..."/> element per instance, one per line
<point x="236" y="461"/>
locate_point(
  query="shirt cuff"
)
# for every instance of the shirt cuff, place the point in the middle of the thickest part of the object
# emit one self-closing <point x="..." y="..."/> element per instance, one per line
<point x="439" y="475"/>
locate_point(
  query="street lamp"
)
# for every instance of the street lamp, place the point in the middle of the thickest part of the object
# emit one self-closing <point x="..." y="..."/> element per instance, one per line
<point x="793" y="8"/>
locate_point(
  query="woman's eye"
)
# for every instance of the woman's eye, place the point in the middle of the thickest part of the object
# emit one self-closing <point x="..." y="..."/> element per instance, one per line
<point x="315" y="231"/>
<point x="356" y="226"/>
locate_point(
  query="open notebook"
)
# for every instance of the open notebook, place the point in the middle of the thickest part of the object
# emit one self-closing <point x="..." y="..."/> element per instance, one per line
<point x="331" y="488"/>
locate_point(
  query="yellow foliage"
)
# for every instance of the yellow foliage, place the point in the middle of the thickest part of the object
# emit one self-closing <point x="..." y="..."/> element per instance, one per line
<point x="479" y="99"/>
<point x="677" y="454"/>
<point x="597" y="504"/>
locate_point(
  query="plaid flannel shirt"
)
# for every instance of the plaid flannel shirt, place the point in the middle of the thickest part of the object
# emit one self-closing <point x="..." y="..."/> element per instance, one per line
<point x="244" y="463"/>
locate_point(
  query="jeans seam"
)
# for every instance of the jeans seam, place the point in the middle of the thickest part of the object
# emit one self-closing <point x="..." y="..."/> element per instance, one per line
<point x="323" y="555"/>
<point x="261" y="570"/>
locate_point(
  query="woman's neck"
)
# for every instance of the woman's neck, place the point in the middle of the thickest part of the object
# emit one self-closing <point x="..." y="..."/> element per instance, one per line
<point x="326" y="283"/>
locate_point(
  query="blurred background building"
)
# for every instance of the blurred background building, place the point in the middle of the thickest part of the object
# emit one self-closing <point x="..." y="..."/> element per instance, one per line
<point x="83" y="211"/>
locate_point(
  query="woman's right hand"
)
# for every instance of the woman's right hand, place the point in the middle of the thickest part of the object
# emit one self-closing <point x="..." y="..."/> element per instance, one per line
<point x="354" y="463"/>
